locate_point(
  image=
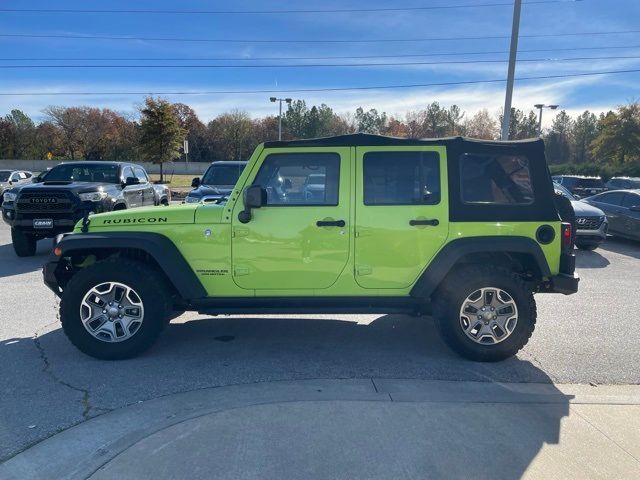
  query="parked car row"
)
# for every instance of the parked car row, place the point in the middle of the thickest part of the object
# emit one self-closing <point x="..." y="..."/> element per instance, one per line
<point x="53" y="202"/>
<point x="581" y="186"/>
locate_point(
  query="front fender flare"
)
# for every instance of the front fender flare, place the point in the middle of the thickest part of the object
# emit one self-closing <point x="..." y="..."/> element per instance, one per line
<point x="159" y="247"/>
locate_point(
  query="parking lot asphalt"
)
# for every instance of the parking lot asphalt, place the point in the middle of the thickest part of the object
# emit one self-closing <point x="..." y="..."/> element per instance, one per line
<point x="46" y="385"/>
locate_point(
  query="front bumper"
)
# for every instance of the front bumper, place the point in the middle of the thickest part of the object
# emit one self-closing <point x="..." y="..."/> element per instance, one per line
<point x="61" y="224"/>
<point x="49" y="275"/>
<point x="593" y="235"/>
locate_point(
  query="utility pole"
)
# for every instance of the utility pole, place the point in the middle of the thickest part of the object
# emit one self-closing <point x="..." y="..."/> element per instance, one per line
<point x="288" y="101"/>
<point x="513" y="53"/>
<point x="540" y="106"/>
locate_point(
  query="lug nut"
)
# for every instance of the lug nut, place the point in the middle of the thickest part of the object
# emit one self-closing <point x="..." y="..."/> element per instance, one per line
<point x="104" y="311"/>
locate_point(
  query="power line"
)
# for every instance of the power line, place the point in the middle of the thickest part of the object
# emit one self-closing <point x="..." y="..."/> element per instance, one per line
<point x="279" y="12"/>
<point x="323" y="65"/>
<point x="290" y="41"/>
<point x="321" y="57"/>
<point x="329" y="89"/>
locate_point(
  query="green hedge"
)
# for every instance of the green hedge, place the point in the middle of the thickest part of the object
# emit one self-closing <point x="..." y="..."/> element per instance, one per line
<point x="605" y="171"/>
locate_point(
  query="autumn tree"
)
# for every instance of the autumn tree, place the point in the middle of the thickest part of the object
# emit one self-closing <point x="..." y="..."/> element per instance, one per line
<point x="583" y="131"/>
<point x="22" y="131"/>
<point x="162" y="135"/>
<point x="619" y="138"/>
<point x="558" y="139"/>
<point x="232" y="135"/>
<point x="370" y="121"/>
<point x="482" y="125"/>
<point x="196" y="133"/>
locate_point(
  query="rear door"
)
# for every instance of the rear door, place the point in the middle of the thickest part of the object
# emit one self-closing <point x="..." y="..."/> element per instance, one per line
<point x="611" y="204"/>
<point x="401" y="213"/>
<point x="148" y="197"/>
<point x="132" y="194"/>
<point x="631" y="215"/>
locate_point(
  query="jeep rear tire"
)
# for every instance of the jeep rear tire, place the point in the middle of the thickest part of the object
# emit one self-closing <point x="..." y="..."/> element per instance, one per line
<point x="114" y="309"/>
<point x="484" y="313"/>
<point x="23" y="244"/>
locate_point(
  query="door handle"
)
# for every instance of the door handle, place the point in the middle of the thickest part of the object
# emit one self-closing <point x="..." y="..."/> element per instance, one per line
<point x="330" y="223"/>
<point x="432" y="223"/>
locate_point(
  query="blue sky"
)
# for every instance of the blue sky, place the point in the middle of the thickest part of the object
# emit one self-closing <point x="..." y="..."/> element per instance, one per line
<point x="596" y="93"/>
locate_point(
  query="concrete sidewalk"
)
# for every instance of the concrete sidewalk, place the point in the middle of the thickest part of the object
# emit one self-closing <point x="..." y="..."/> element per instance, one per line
<point x="376" y="428"/>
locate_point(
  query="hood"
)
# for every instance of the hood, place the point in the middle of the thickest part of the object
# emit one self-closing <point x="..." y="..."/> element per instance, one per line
<point x="205" y="190"/>
<point x="74" y="187"/>
<point x="143" y="217"/>
<point x="583" y="209"/>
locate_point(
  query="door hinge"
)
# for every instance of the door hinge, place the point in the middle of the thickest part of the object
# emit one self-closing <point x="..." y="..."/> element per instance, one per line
<point x="363" y="270"/>
<point x="240" y="271"/>
<point x="240" y="232"/>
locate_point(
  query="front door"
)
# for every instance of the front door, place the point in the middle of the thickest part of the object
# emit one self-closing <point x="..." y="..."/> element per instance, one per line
<point x="300" y="239"/>
<point x="401" y="213"/>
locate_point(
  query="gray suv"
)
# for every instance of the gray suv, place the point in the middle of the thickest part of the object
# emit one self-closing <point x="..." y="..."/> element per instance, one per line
<point x="591" y="223"/>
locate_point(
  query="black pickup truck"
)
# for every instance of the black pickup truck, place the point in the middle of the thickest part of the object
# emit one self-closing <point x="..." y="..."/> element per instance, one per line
<point x="60" y="197"/>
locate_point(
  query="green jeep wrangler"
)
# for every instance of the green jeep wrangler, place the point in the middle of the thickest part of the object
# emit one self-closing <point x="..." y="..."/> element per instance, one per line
<point x="464" y="230"/>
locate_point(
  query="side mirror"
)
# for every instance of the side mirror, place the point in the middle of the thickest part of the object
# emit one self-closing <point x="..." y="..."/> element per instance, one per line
<point x="131" y="181"/>
<point x="635" y="208"/>
<point x="10" y="182"/>
<point x="195" y="183"/>
<point x="254" y="197"/>
<point x="36" y="179"/>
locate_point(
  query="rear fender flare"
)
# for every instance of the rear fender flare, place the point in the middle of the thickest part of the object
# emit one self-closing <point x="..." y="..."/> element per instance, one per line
<point x="455" y="250"/>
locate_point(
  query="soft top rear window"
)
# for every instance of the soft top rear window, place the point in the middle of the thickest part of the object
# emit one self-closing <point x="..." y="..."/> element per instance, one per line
<point x="495" y="179"/>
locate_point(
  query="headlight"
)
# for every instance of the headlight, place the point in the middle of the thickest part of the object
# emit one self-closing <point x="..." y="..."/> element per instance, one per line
<point x="92" y="196"/>
<point x="192" y="199"/>
<point x="10" y="197"/>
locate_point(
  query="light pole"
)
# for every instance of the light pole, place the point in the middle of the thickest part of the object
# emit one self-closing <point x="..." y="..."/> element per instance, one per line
<point x="540" y="106"/>
<point x="273" y="100"/>
<point x="513" y="52"/>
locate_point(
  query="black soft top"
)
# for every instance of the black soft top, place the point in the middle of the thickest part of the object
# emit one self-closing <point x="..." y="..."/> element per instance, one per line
<point x="368" y="140"/>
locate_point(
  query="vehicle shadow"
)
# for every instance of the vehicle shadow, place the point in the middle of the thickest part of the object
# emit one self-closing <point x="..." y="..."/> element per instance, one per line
<point x="630" y="248"/>
<point x="11" y="264"/>
<point x="212" y="352"/>
<point x="590" y="259"/>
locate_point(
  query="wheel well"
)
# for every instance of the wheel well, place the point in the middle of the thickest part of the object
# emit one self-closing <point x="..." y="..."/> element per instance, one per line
<point x="79" y="259"/>
<point x="519" y="262"/>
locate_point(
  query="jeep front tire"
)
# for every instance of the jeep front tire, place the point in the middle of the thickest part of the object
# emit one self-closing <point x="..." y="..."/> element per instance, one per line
<point x="23" y="244"/>
<point x="114" y="309"/>
<point x="485" y="313"/>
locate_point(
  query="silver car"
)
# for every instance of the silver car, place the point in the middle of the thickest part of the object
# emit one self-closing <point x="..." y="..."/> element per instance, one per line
<point x="591" y="222"/>
<point x="12" y="178"/>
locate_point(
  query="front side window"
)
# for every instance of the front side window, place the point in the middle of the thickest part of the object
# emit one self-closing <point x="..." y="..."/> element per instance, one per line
<point x="495" y="179"/>
<point x="300" y="178"/>
<point x="401" y="178"/>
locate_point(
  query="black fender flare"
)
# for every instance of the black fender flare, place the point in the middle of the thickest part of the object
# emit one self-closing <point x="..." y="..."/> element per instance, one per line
<point x="452" y="252"/>
<point x="159" y="247"/>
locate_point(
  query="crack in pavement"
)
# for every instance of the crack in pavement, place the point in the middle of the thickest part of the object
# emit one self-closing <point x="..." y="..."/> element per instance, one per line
<point x="47" y="369"/>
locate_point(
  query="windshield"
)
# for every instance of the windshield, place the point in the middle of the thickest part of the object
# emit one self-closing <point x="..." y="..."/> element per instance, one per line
<point x="563" y="191"/>
<point x="590" y="183"/>
<point x="83" y="173"/>
<point x="222" y="174"/>
<point x="4" y="176"/>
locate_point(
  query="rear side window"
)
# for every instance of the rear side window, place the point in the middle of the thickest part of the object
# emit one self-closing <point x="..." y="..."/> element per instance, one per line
<point x="300" y="178"/>
<point x="590" y="183"/>
<point x="613" y="198"/>
<point x="495" y="179"/>
<point x="401" y="178"/>
<point x="631" y="200"/>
